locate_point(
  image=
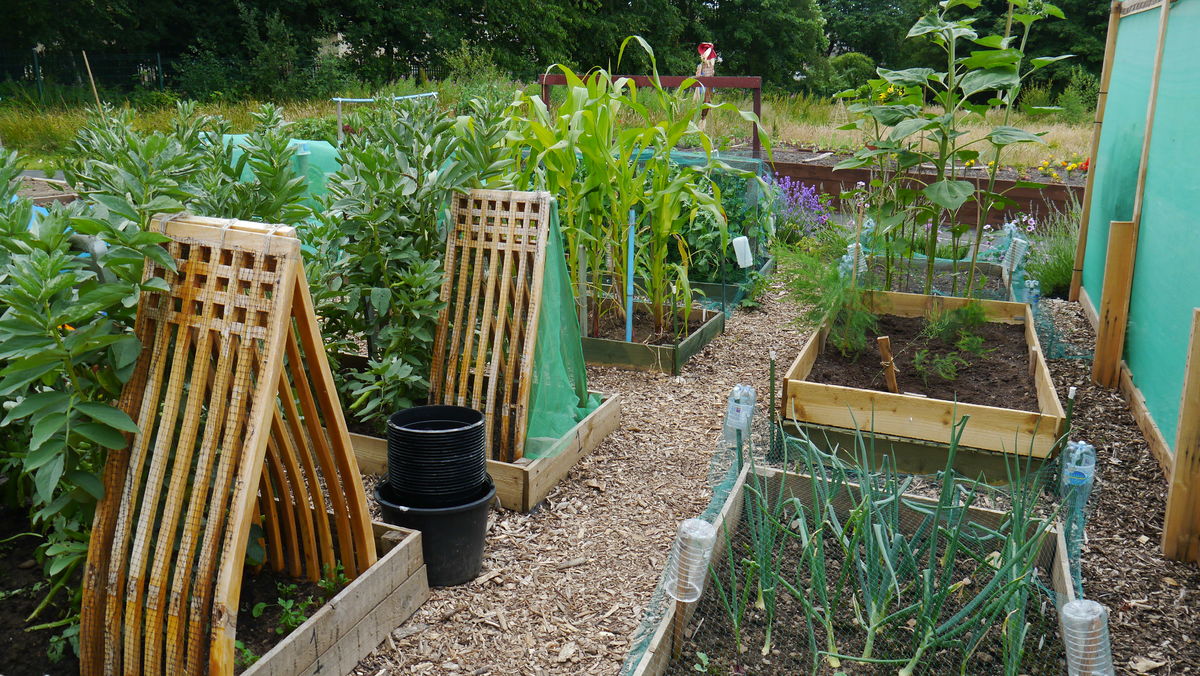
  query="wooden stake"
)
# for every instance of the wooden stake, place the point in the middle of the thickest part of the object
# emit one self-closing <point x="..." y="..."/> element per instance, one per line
<point x="1181" y="527"/>
<point x="1114" y="303"/>
<point x="889" y="366"/>
<point x="1110" y="49"/>
<point x="92" y="80"/>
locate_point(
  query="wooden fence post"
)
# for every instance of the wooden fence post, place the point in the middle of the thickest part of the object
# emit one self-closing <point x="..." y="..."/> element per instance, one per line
<point x="1181" y="527"/>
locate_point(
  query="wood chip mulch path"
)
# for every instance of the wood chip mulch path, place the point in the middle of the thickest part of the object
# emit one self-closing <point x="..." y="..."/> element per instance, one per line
<point x="563" y="589"/>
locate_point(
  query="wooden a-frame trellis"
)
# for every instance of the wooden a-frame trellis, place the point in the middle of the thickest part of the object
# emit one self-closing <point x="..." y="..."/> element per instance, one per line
<point x="486" y="339"/>
<point x="240" y="426"/>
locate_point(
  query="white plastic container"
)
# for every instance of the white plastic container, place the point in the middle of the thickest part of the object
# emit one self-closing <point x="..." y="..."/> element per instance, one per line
<point x="739" y="415"/>
<point x="1078" y="464"/>
<point x="741" y="248"/>
<point x="688" y="566"/>
<point x="1085" y="637"/>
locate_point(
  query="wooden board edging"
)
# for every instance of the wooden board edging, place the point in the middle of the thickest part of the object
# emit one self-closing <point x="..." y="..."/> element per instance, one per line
<point x="359" y="617"/>
<point x="660" y="648"/>
<point x="654" y="358"/>
<point x="990" y="428"/>
<point x="520" y="485"/>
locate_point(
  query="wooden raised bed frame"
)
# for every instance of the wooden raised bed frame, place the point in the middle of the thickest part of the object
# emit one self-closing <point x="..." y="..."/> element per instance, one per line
<point x="520" y="485"/>
<point x="359" y="617"/>
<point x="990" y="428"/>
<point x="659" y="652"/>
<point x="655" y="358"/>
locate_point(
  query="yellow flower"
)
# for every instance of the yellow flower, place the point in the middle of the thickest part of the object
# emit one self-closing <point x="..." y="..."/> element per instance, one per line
<point x="1072" y="166"/>
<point x="970" y="163"/>
<point x="992" y="163"/>
<point x="1045" y="163"/>
<point x="1054" y="174"/>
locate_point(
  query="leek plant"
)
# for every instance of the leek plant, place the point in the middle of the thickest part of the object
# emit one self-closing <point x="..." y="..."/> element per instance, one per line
<point x="883" y="577"/>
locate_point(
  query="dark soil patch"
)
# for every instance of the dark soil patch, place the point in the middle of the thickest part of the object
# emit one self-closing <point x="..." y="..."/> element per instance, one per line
<point x="22" y="588"/>
<point x="32" y="188"/>
<point x="997" y="377"/>
<point x="612" y="327"/>
<point x="260" y="634"/>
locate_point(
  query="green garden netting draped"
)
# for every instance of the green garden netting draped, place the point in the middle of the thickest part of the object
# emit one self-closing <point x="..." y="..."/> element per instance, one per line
<point x="558" y="398"/>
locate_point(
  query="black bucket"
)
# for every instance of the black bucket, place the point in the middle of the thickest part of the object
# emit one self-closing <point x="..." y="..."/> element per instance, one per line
<point x="436" y="455"/>
<point x="452" y="538"/>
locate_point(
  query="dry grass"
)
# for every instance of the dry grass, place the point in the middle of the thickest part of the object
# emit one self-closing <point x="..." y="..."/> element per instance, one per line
<point x="794" y="120"/>
<point x="813" y="123"/>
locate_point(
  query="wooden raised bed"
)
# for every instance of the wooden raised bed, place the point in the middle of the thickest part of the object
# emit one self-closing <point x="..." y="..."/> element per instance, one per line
<point x="520" y="485"/>
<point x="657" y="358"/>
<point x="360" y="616"/>
<point x="727" y="293"/>
<point x="660" y="650"/>
<point x="914" y="417"/>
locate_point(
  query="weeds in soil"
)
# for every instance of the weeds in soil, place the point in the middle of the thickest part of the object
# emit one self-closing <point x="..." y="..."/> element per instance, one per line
<point x="293" y="610"/>
<point x="333" y="578"/>
<point x="244" y="656"/>
<point x="944" y="366"/>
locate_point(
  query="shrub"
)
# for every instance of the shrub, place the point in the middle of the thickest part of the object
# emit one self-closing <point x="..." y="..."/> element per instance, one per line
<point x="851" y="70"/>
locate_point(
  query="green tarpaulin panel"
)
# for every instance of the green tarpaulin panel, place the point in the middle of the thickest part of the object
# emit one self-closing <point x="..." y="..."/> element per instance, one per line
<point x="315" y="161"/>
<point x="1168" y="253"/>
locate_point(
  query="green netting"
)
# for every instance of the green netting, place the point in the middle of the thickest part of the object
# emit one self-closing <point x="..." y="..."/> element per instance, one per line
<point x="1163" y="293"/>
<point x="558" y="398"/>
<point x="314" y="160"/>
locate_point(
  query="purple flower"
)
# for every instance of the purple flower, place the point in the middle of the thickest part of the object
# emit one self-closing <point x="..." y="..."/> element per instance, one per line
<point x="802" y="208"/>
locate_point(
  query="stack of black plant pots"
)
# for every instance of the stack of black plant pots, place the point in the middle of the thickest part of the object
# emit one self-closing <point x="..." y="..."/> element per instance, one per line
<point x="438" y="484"/>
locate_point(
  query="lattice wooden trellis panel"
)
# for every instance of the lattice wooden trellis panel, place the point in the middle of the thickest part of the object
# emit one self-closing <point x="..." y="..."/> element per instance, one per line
<point x="484" y="349"/>
<point x="240" y="424"/>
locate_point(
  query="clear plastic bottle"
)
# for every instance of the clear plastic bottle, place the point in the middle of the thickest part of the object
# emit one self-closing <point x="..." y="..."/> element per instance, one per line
<point x="1033" y="293"/>
<point x="739" y="415"/>
<point x="1085" y="637"/>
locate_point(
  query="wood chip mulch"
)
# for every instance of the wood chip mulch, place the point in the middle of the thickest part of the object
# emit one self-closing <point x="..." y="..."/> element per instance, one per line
<point x="1153" y="603"/>
<point x="563" y="589"/>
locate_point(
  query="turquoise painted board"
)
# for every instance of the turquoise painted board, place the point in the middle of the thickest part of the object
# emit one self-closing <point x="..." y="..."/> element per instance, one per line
<point x="1116" y="161"/>
<point x="1166" y="278"/>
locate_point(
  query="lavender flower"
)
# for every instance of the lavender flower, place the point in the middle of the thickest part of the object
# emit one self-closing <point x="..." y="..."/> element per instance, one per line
<point x="802" y="210"/>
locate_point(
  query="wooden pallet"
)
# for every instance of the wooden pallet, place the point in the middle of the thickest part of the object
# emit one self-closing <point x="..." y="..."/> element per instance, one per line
<point x="487" y="332"/>
<point x="233" y="395"/>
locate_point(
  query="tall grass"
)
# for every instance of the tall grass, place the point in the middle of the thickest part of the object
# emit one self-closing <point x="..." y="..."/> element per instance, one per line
<point x="1052" y="251"/>
<point x="42" y="131"/>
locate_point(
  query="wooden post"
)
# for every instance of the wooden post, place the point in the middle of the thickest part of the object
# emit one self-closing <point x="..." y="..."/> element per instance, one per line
<point x="1114" y="303"/>
<point x="1110" y="48"/>
<point x="889" y="366"/>
<point x="92" y="80"/>
<point x="1181" y="527"/>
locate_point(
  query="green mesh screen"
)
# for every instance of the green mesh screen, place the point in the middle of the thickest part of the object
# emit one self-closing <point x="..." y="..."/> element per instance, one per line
<point x="558" y="398"/>
<point x="1169" y="236"/>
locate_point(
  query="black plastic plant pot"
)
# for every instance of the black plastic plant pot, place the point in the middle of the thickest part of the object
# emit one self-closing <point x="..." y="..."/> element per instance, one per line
<point x="452" y="538"/>
<point x="437" y="455"/>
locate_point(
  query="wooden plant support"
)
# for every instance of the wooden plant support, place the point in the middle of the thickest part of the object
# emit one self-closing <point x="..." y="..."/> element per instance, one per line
<point x="1181" y="527"/>
<point x="991" y="428"/>
<point x="889" y="363"/>
<point x="1114" y="303"/>
<point x="240" y="427"/>
<point x="487" y="332"/>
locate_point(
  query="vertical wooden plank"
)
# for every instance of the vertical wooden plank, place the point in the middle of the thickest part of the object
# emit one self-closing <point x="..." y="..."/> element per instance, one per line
<point x="1181" y="527"/>
<point x="1114" y="303"/>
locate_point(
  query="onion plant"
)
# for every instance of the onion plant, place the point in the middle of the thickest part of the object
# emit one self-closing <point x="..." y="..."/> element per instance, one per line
<point x="915" y="577"/>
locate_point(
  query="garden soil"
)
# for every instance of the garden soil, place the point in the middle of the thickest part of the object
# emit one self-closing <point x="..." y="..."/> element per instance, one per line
<point x="997" y="377"/>
<point x="23" y="653"/>
<point x="260" y="634"/>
